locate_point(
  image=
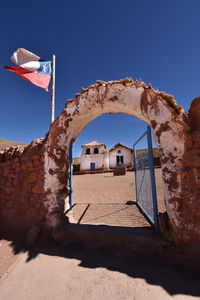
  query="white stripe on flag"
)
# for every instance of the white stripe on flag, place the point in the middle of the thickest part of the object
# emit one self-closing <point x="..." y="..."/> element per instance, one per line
<point x="22" y="56"/>
<point x="31" y="65"/>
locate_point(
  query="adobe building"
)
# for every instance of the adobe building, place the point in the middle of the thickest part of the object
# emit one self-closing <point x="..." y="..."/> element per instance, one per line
<point x="95" y="157"/>
<point x="121" y="154"/>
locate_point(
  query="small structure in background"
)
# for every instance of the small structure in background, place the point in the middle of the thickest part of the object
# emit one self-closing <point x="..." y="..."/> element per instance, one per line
<point x="121" y="155"/>
<point x="76" y="164"/>
<point x="95" y="157"/>
<point x="120" y="169"/>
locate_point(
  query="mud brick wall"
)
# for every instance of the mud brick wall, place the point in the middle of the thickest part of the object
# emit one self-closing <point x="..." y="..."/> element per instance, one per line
<point x="169" y="123"/>
<point x="22" y="188"/>
<point x="34" y="180"/>
<point x="189" y="203"/>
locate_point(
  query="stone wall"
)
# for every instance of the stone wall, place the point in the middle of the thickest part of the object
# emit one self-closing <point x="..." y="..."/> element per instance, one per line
<point x="34" y="180"/>
<point x="188" y="205"/>
<point x="22" y="188"/>
<point x="169" y="123"/>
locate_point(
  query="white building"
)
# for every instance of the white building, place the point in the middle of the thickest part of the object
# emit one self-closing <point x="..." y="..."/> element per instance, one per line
<point x="95" y="156"/>
<point x="121" y="154"/>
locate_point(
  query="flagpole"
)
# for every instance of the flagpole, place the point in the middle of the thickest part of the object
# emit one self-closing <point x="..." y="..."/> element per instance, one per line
<point x="53" y="88"/>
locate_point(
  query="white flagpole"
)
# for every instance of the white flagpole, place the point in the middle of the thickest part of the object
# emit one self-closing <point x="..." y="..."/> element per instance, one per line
<point x="53" y="88"/>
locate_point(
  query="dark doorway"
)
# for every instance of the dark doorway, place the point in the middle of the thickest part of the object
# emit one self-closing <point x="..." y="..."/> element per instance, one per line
<point x="119" y="159"/>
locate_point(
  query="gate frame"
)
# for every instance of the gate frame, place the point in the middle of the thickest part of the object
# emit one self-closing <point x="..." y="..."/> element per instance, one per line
<point x="71" y="176"/>
<point x="152" y="176"/>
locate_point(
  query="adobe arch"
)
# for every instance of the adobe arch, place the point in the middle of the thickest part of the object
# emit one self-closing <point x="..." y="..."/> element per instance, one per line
<point x="168" y="121"/>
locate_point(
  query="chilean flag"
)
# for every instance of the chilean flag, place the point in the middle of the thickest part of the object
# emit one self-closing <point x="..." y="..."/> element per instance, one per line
<point x="31" y="67"/>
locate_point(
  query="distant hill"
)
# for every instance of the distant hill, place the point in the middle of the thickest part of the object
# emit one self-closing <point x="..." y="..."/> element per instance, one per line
<point x="7" y="144"/>
<point x="144" y="151"/>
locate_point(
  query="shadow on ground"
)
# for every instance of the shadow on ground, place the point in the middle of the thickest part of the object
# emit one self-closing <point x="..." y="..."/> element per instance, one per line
<point x="167" y="268"/>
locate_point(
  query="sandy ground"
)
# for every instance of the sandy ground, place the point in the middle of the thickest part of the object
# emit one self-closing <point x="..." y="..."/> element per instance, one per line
<point x="7" y="257"/>
<point x="101" y="199"/>
<point x="106" y="195"/>
<point x="53" y="272"/>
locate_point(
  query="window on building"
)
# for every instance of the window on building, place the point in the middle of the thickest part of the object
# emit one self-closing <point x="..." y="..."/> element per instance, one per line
<point x="87" y="151"/>
<point x="96" y="150"/>
<point x="119" y="151"/>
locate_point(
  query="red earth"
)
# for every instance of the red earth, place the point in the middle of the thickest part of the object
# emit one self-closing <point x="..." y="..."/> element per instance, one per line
<point x="101" y="199"/>
<point x="106" y="196"/>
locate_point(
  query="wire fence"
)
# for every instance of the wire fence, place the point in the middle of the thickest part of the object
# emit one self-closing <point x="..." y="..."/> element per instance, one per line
<point x="144" y="193"/>
<point x="145" y="181"/>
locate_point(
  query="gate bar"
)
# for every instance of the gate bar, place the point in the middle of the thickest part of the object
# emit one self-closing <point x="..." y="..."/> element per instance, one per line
<point x="134" y="157"/>
<point x="140" y="138"/>
<point x="154" y="223"/>
<point x="71" y="175"/>
<point x="152" y="175"/>
<point x="152" y="172"/>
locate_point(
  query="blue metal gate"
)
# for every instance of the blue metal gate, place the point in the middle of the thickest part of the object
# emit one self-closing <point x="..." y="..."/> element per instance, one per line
<point x="71" y="176"/>
<point x="146" y="198"/>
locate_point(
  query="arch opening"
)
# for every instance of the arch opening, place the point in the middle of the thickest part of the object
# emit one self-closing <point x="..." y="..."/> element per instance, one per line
<point x="99" y="197"/>
<point x="169" y="124"/>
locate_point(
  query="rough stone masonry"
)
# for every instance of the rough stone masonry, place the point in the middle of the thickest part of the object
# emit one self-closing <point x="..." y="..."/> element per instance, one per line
<point x="34" y="179"/>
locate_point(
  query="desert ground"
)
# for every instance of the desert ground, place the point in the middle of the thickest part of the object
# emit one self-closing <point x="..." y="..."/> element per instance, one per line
<point x="4" y="144"/>
<point x="53" y="272"/>
<point x="101" y="199"/>
<point x="106" y="196"/>
<point x="50" y="271"/>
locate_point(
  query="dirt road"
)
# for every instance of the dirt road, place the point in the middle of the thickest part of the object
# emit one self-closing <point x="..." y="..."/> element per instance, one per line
<point x="52" y="272"/>
<point x="77" y="273"/>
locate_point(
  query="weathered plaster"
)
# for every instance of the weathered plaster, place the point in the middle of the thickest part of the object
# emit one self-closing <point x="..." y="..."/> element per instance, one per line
<point x="177" y="136"/>
<point x="168" y="120"/>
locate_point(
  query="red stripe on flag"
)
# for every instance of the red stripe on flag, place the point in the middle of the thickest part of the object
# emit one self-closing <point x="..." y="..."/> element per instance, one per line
<point x="41" y="80"/>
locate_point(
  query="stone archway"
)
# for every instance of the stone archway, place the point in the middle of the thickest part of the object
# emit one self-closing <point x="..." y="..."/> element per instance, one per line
<point x="170" y="125"/>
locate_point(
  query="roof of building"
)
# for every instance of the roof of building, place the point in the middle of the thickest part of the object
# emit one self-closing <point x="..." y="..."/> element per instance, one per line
<point x="119" y="145"/>
<point x="94" y="143"/>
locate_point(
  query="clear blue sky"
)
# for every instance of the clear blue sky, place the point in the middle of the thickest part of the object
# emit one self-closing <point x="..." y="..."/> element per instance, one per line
<point x="158" y="41"/>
